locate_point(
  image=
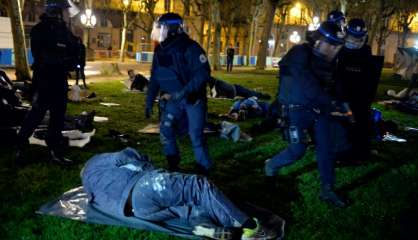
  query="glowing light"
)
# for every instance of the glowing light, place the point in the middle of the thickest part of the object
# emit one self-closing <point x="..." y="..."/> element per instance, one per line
<point x="126" y="2"/>
<point x="88" y="19"/>
<point x="416" y="44"/>
<point x="271" y="42"/>
<point x="296" y="10"/>
<point x="314" y="25"/>
<point x="295" y="37"/>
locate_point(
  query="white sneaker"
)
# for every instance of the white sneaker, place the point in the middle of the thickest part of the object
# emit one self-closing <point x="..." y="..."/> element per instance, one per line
<point x="218" y="233"/>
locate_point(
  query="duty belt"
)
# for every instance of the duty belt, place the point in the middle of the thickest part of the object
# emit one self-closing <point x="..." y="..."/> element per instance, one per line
<point x="299" y="106"/>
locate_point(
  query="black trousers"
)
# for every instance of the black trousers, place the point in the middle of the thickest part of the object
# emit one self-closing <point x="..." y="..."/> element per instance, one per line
<point x="50" y="94"/>
<point x="229" y="64"/>
<point x="79" y="72"/>
<point x="361" y="130"/>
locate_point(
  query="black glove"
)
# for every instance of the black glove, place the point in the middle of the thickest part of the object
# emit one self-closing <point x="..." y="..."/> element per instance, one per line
<point x="148" y="112"/>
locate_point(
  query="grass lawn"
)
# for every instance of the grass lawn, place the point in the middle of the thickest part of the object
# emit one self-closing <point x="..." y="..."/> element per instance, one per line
<point x="381" y="190"/>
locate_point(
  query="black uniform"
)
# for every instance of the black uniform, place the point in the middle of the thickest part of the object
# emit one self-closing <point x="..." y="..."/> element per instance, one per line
<point x="81" y="64"/>
<point x="356" y="87"/>
<point x="230" y="52"/>
<point x="54" y="49"/>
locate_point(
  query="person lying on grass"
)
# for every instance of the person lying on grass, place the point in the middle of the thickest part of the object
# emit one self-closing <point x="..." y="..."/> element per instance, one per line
<point x="127" y="183"/>
<point x="248" y="108"/>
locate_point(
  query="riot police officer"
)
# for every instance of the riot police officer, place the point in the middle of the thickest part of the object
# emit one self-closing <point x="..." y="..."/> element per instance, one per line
<point x="180" y="71"/>
<point x="337" y="17"/>
<point x="356" y="86"/>
<point x="306" y="85"/>
<point x="53" y="46"/>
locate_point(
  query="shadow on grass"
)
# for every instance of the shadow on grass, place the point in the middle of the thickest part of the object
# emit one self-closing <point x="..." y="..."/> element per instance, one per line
<point x="388" y="163"/>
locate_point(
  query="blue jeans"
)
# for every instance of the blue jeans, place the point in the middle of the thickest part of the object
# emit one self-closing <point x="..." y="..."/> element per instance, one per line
<point x="160" y="195"/>
<point x="173" y="118"/>
<point x="304" y="119"/>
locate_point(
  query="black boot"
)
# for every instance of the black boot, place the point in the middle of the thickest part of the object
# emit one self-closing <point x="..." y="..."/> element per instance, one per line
<point x="271" y="182"/>
<point x="329" y="196"/>
<point x="58" y="158"/>
<point x="21" y="155"/>
<point x="173" y="162"/>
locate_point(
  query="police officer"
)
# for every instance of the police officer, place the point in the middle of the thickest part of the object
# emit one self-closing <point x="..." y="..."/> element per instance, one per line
<point x="354" y="76"/>
<point x="81" y="63"/>
<point x="180" y="71"/>
<point x="53" y="46"/>
<point x="337" y="17"/>
<point x="306" y="84"/>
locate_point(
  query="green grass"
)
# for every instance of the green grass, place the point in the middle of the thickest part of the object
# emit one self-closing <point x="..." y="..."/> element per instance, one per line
<point x="380" y="190"/>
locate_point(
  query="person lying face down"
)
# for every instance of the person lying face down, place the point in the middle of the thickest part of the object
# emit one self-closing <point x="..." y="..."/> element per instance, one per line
<point x="126" y="183"/>
<point x="249" y="107"/>
<point x="222" y="89"/>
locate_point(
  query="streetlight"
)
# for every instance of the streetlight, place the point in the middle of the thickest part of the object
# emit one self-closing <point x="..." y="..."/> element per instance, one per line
<point x="314" y="25"/>
<point x="294" y="37"/>
<point x="89" y="20"/>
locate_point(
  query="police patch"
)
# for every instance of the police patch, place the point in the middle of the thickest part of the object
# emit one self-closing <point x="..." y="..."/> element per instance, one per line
<point x="203" y="58"/>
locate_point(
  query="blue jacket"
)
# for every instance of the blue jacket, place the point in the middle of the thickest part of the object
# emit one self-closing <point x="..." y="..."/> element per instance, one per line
<point x="250" y="104"/>
<point x="109" y="177"/>
<point x="304" y="78"/>
<point x="179" y="64"/>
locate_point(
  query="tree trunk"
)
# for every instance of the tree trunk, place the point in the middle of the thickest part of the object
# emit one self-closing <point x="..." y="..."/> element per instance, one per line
<point x="278" y="36"/>
<point x="216" y="19"/>
<point x="123" y="39"/>
<point x="19" y="44"/>
<point x="405" y="32"/>
<point x="269" y="10"/>
<point x="209" y="37"/>
<point x="228" y="31"/>
<point x="279" y="32"/>
<point x="202" y="31"/>
<point x="236" y="33"/>
<point x="373" y="29"/>
<point x="186" y="8"/>
<point x="252" y="32"/>
<point x="250" y="42"/>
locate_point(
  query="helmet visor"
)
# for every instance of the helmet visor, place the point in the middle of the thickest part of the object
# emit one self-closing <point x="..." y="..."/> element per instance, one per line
<point x="159" y="32"/>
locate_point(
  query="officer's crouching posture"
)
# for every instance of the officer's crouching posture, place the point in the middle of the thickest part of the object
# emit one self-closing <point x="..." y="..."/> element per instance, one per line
<point x="180" y="71"/>
<point x="305" y="85"/>
<point x="52" y="48"/>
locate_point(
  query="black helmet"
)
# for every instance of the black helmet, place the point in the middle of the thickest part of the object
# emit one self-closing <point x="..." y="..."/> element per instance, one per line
<point x="357" y="28"/>
<point x="170" y="19"/>
<point x="169" y="24"/>
<point x="330" y="32"/>
<point x="335" y="16"/>
<point x="62" y="4"/>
